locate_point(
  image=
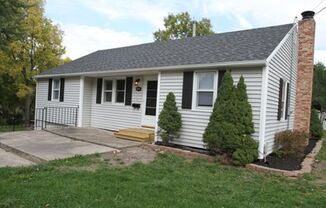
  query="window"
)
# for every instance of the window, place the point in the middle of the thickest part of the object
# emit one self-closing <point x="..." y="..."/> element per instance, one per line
<point x="283" y="100"/>
<point x="108" y="87"/>
<point x="120" y="91"/>
<point x="205" y="88"/>
<point x="56" y="89"/>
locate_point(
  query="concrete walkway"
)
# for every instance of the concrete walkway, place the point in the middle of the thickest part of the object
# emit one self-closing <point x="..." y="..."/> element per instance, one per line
<point x="96" y="136"/>
<point x="8" y="159"/>
<point x="40" y="146"/>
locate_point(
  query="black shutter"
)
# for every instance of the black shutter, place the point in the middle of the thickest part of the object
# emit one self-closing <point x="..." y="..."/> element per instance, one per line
<point x="287" y="100"/>
<point x="187" y="90"/>
<point x="129" y="82"/>
<point x="220" y="78"/>
<point x="50" y="90"/>
<point x="62" y="89"/>
<point x="280" y="95"/>
<point x="99" y="91"/>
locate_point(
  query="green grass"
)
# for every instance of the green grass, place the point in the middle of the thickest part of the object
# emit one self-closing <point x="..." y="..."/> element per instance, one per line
<point x="169" y="181"/>
<point x="9" y="128"/>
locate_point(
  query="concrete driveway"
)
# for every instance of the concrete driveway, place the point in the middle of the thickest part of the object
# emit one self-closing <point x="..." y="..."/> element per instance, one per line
<point x="41" y="146"/>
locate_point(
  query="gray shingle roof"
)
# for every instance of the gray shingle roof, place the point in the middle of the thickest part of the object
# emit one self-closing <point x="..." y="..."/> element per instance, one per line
<point x="245" y="45"/>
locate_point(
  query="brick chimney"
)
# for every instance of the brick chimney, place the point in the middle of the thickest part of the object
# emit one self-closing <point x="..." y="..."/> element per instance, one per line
<point x="306" y="35"/>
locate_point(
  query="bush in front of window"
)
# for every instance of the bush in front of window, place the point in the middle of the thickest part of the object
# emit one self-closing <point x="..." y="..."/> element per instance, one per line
<point x="169" y="119"/>
<point x="316" y="128"/>
<point x="230" y="125"/>
<point x="290" y="144"/>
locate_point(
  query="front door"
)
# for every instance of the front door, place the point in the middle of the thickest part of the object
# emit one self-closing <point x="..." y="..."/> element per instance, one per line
<point x="149" y="101"/>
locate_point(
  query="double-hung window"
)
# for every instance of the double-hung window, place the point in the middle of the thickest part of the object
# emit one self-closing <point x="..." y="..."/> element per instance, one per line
<point x="108" y="89"/>
<point x="114" y="90"/>
<point x="120" y="91"/>
<point x="205" y="89"/>
<point x="56" y="89"/>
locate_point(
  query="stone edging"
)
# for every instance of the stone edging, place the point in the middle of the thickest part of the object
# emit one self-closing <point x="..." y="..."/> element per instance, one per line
<point x="306" y="165"/>
<point x="180" y="152"/>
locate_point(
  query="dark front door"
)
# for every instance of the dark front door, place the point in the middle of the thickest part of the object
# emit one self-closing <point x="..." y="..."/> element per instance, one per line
<point x="151" y="96"/>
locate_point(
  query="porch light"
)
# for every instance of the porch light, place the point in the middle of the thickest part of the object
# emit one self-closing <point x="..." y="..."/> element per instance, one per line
<point x="137" y="84"/>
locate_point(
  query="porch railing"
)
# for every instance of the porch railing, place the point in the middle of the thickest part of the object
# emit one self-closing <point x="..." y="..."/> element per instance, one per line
<point x="55" y="116"/>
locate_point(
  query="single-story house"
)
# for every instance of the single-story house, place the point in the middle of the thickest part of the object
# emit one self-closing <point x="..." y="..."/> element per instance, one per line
<point x="126" y="87"/>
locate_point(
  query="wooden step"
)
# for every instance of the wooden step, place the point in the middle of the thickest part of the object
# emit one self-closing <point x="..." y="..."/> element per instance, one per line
<point x="137" y="134"/>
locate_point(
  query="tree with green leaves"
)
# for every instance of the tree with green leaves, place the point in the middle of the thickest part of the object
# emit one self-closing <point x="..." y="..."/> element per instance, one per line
<point x="12" y="13"/>
<point x="181" y="26"/>
<point x="319" y="89"/>
<point x="39" y="48"/>
<point x="169" y="119"/>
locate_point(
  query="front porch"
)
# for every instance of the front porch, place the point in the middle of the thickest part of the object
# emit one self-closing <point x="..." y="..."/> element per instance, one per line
<point x="136" y="136"/>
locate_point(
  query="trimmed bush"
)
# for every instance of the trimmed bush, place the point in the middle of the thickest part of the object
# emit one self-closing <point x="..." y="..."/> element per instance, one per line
<point x="246" y="151"/>
<point x="230" y="124"/>
<point x="169" y="119"/>
<point x="316" y="128"/>
<point x="290" y="144"/>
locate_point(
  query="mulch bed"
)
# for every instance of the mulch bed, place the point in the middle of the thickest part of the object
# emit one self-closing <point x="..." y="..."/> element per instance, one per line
<point x="272" y="161"/>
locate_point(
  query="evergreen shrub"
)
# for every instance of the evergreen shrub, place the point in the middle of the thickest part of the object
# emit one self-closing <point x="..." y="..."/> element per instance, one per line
<point x="169" y="119"/>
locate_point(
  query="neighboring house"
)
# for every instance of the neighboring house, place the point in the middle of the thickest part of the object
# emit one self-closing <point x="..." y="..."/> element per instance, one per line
<point x="126" y="87"/>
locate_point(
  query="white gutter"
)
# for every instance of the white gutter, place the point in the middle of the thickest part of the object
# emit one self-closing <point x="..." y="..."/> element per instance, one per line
<point x="166" y="68"/>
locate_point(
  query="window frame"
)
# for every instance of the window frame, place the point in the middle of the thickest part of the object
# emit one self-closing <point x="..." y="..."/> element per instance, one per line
<point x="106" y="90"/>
<point x="114" y="90"/>
<point x="195" y="90"/>
<point x="56" y="89"/>
<point x="284" y="101"/>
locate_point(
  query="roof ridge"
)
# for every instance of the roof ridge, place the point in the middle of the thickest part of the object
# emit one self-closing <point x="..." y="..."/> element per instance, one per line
<point x="191" y="38"/>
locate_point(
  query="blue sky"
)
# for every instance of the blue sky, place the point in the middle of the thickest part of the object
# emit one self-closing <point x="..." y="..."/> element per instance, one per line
<point x="91" y="25"/>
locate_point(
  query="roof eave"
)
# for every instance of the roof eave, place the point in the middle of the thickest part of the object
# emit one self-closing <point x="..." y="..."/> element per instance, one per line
<point x="251" y="63"/>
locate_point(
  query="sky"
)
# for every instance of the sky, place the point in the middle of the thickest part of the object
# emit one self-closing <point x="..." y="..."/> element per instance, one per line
<point x="91" y="25"/>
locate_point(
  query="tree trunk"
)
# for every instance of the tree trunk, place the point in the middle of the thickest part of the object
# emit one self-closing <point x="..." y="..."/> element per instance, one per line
<point x="27" y="109"/>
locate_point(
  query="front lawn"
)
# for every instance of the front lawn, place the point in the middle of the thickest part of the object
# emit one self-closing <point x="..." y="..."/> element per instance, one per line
<point x="169" y="181"/>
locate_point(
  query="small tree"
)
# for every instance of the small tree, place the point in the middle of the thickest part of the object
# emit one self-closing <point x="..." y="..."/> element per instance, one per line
<point x="316" y="128"/>
<point x="244" y="109"/>
<point x="221" y="132"/>
<point x="169" y="119"/>
<point x="230" y="125"/>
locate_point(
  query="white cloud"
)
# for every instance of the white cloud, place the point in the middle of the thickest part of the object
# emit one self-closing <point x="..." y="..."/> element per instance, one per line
<point x="82" y="39"/>
<point x="152" y="12"/>
<point x="246" y="13"/>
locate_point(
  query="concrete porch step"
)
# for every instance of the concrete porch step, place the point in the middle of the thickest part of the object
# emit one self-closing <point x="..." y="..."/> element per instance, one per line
<point x="136" y="134"/>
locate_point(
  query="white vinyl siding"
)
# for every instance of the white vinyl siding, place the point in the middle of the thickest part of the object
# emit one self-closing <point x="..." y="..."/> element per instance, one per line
<point x="115" y="116"/>
<point x="71" y="93"/>
<point x="279" y="67"/>
<point x="194" y="121"/>
<point x="87" y="102"/>
<point x="71" y="97"/>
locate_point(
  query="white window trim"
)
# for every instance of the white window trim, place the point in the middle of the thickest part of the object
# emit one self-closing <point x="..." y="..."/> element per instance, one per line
<point x="195" y="90"/>
<point x="105" y="90"/>
<point x="53" y="89"/>
<point x="114" y="90"/>
<point x="285" y="83"/>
